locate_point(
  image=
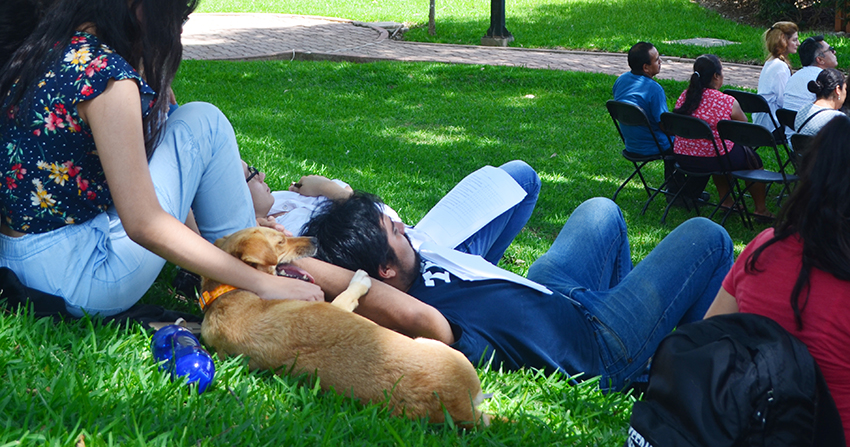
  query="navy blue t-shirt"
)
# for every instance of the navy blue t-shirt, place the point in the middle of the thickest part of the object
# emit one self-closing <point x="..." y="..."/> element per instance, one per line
<point x="516" y="325"/>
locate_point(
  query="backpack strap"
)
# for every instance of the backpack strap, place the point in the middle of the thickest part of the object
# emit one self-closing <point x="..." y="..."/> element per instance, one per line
<point x="809" y="119"/>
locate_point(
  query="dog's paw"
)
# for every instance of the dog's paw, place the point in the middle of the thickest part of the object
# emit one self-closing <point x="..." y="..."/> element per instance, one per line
<point x="361" y="278"/>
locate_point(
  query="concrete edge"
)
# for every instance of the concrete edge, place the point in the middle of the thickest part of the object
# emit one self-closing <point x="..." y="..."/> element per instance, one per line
<point x="382" y="33"/>
<point x="327" y="19"/>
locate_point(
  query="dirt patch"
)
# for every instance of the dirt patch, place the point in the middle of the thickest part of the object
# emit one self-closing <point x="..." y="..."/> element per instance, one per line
<point x="741" y="11"/>
<point x="808" y="16"/>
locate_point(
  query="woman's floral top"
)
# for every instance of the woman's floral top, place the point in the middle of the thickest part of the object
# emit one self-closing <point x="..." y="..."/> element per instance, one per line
<point x="51" y="173"/>
<point x="713" y="107"/>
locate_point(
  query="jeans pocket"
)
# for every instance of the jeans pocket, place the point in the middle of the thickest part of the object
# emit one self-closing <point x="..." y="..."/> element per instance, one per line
<point x="611" y="348"/>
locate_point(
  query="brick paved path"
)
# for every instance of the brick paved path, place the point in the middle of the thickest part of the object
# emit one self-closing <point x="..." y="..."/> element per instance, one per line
<point x="282" y="36"/>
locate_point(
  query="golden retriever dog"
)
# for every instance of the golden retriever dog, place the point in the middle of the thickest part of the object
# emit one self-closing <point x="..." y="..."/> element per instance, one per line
<point x="348" y="353"/>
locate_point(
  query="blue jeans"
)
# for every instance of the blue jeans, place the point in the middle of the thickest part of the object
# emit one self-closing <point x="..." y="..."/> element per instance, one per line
<point x="632" y="309"/>
<point x="95" y="266"/>
<point x="491" y="241"/>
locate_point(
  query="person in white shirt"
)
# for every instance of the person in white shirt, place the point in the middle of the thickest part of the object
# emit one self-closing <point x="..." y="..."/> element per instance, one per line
<point x="781" y="41"/>
<point x="815" y="55"/>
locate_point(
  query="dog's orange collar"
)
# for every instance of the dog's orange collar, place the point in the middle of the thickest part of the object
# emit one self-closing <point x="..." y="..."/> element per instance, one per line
<point x="207" y="298"/>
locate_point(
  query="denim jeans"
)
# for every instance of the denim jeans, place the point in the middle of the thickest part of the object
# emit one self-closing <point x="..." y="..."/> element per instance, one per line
<point x="95" y="266"/>
<point x="632" y="308"/>
<point x="491" y="241"/>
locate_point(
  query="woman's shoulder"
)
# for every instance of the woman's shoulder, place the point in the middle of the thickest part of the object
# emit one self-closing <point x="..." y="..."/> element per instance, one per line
<point x="775" y="64"/>
<point x="775" y="70"/>
<point x="86" y="66"/>
<point x="806" y="109"/>
<point x="87" y="56"/>
<point x="719" y="97"/>
<point x="788" y="246"/>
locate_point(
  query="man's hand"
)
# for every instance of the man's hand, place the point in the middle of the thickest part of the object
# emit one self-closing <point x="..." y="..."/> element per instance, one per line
<point x="317" y="185"/>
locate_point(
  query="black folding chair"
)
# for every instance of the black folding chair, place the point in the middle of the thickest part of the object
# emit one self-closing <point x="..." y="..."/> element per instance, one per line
<point x="754" y="136"/>
<point x="683" y="126"/>
<point x="623" y="113"/>
<point x="754" y="103"/>
<point x="751" y="103"/>
<point x="786" y="117"/>
<point x="801" y="144"/>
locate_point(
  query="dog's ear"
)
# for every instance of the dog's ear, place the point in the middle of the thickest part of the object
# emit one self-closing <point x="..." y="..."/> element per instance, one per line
<point x="257" y="251"/>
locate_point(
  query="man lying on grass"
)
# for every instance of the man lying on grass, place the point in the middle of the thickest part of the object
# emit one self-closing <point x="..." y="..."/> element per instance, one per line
<point x="589" y="312"/>
<point x="290" y="210"/>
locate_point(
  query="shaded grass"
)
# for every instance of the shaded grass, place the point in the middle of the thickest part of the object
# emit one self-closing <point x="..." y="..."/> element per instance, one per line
<point x="596" y="25"/>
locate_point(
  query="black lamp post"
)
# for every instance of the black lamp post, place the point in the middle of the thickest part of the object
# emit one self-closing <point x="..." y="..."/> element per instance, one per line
<point x="498" y="35"/>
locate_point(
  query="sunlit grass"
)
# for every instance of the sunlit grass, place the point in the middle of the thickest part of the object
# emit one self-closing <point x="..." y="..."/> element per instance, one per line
<point x="596" y="25"/>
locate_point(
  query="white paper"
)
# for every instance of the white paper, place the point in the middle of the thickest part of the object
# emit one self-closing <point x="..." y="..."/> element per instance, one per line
<point x="472" y="267"/>
<point x="474" y="202"/>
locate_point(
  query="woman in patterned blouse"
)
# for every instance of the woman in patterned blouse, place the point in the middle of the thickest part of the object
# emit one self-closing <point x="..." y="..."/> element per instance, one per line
<point x="703" y="100"/>
<point x="97" y="180"/>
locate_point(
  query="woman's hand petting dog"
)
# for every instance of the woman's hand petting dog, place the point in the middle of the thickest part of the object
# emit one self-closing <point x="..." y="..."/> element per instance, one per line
<point x="280" y="288"/>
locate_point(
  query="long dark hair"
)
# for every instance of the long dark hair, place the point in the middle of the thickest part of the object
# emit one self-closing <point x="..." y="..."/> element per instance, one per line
<point x="819" y="212"/>
<point x="705" y="67"/>
<point x="146" y="33"/>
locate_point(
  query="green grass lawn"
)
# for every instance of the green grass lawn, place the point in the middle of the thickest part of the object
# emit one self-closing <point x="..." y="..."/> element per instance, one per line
<point x="596" y="25"/>
<point x="407" y="132"/>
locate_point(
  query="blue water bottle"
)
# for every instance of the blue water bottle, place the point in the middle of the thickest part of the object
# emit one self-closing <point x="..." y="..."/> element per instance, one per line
<point x="179" y="352"/>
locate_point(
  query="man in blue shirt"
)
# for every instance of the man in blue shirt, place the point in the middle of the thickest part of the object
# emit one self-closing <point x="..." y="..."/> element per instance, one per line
<point x="590" y="312"/>
<point x="637" y="87"/>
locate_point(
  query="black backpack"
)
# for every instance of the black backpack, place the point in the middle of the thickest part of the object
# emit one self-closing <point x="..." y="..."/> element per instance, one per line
<point x="734" y="380"/>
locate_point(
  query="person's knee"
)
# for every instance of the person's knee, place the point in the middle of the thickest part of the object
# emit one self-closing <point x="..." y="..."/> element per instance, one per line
<point x="601" y="207"/>
<point x="524" y="174"/>
<point x="199" y="109"/>
<point x="707" y="230"/>
<point x="600" y="214"/>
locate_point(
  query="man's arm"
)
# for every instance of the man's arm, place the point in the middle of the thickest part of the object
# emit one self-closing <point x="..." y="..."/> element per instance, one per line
<point x="659" y="103"/>
<point x="384" y="305"/>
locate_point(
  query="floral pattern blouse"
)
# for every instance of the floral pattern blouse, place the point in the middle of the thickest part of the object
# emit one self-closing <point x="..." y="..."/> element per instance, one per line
<point x="51" y="173"/>
<point x="715" y="106"/>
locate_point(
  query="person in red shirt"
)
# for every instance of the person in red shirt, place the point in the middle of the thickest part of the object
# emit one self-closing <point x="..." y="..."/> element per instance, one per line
<point x="704" y="100"/>
<point x="798" y="272"/>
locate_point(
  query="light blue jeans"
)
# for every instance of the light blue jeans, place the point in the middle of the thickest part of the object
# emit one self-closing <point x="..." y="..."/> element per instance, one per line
<point x="491" y="241"/>
<point x="95" y="266"/>
<point x="632" y="309"/>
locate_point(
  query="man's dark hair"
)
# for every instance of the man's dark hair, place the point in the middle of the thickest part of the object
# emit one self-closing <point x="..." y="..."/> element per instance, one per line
<point x="809" y="50"/>
<point x="350" y="234"/>
<point x="639" y="56"/>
